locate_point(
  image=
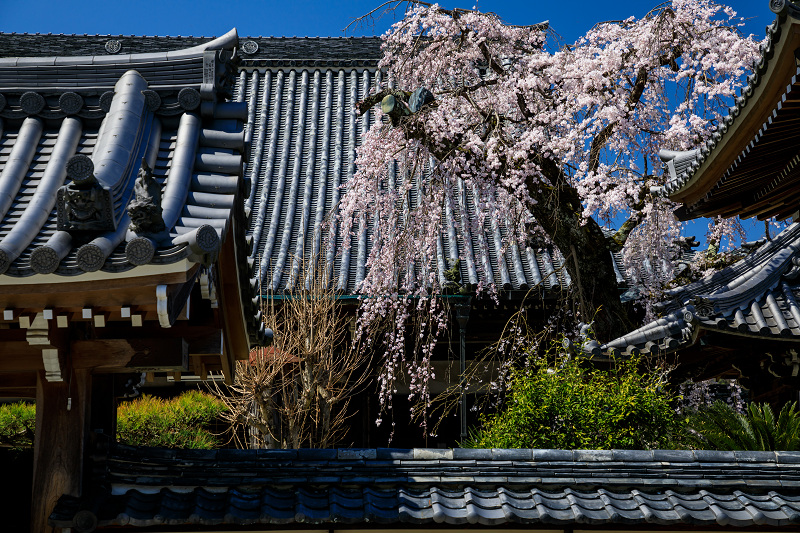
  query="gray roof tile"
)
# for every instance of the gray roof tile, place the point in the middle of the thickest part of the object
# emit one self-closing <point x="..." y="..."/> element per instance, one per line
<point x="296" y="180"/>
<point x="152" y="126"/>
<point x="756" y="296"/>
<point x="316" y="487"/>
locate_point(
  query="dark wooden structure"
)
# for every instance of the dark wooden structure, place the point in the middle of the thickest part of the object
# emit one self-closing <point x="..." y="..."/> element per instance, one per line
<point x="123" y="246"/>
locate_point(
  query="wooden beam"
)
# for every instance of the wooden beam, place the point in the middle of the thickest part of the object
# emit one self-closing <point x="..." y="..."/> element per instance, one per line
<point x="109" y="286"/>
<point x="230" y="301"/>
<point x="43" y="334"/>
<point x="131" y="355"/>
<point x="206" y="343"/>
<point x="23" y="381"/>
<point x="61" y="429"/>
<point x="19" y="356"/>
<point x="22" y="392"/>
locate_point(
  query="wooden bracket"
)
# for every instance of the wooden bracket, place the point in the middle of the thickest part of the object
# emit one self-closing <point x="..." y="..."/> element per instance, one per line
<point x="184" y="315"/>
<point x="162" y="306"/>
<point x="100" y="319"/>
<point x="38" y="334"/>
<point x="133" y="314"/>
<point x="208" y="288"/>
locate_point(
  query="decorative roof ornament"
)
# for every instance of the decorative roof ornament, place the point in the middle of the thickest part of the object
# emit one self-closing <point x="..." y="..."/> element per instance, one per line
<point x="80" y="168"/>
<point x="189" y="98"/>
<point x="105" y="100"/>
<point x="113" y="46"/>
<point x="32" y="103"/>
<point x="780" y="7"/>
<point x="70" y="102"/>
<point x="145" y="209"/>
<point x="152" y="99"/>
<point x="250" y="47"/>
<point x="90" y="258"/>
<point x="44" y="260"/>
<point x="84" y="205"/>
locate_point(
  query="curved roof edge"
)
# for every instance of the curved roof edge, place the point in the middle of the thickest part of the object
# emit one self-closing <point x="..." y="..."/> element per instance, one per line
<point x="228" y="41"/>
<point x="690" y="172"/>
<point x="757" y="296"/>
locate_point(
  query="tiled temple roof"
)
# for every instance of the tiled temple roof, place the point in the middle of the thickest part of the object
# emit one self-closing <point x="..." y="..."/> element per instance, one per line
<point x="254" y="51"/>
<point x="748" y="168"/>
<point x="757" y="296"/>
<point x="748" y="164"/>
<point x="75" y="132"/>
<point x="304" y="135"/>
<point x="142" y="487"/>
<point x="106" y="111"/>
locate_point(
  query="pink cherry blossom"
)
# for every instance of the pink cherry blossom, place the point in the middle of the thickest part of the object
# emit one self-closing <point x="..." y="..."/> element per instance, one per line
<point x="507" y="101"/>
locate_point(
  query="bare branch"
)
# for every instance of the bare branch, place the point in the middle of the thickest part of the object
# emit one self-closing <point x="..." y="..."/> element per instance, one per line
<point x="294" y="393"/>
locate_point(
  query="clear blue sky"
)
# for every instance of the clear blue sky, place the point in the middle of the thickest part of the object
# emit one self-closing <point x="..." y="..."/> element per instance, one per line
<point x="303" y="18"/>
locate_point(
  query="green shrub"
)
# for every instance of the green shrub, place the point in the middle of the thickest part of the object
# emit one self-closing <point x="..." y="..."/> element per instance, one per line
<point x="720" y="427"/>
<point x="562" y="403"/>
<point x="174" y="423"/>
<point x="180" y="422"/>
<point x="17" y="425"/>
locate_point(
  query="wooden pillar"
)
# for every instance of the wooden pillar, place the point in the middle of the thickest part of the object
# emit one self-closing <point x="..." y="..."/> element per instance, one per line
<point x="61" y="431"/>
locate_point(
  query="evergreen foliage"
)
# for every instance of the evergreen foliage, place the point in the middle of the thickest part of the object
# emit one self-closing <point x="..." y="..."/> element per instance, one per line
<point x="17" y="425"/>
<point x="180" y="422"/>
<point x="720" y="427"/>
<point x="565" y="404"/>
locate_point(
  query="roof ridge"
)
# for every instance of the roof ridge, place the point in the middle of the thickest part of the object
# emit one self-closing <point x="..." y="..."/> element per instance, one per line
<point x="134" y="35"/>
<point x="33" y="34"/>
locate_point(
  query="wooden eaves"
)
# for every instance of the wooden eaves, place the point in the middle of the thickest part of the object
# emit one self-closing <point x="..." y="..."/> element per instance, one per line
<point x="749" y="165"/>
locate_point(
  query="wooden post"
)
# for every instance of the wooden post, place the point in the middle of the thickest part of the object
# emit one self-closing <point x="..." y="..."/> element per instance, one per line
<point x="61" y="431"/>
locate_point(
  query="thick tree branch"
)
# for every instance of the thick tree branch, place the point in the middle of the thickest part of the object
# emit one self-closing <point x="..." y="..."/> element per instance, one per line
<point x="496" y="67"/>
<point x="598" y="143"/>
<point x="523" y="106"/>
<point x="374" y="99"/>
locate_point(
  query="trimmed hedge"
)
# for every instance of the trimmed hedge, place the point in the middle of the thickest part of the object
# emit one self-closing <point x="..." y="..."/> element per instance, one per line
<point x="180" y="422"/>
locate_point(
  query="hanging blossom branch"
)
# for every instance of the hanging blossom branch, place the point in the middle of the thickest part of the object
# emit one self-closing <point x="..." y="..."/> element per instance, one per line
<point x="512" y="125"/>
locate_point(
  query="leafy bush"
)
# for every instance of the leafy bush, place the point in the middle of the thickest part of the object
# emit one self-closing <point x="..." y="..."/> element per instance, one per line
<point x="17" y="425"/>
<point x="563" y="404"/>
<point x="721" y="427"/>
<point x="174" y="423"/>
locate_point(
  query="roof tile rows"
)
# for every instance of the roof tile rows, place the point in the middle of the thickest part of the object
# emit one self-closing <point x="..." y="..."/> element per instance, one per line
<point x="147" y="487"/>
<point x="190" y="140"/>
<point x="763" y="164"/>
<point x="338" y="49"/>
<point x="76" y="132"/>
<point x="758" y="295"/>
<point x="301" y="134"/>
<point x="680" y="166"/>
<point x="304" y="136"/>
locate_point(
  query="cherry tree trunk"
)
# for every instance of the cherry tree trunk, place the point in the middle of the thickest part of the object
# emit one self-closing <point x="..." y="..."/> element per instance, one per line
<point x="588" y="261"/>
